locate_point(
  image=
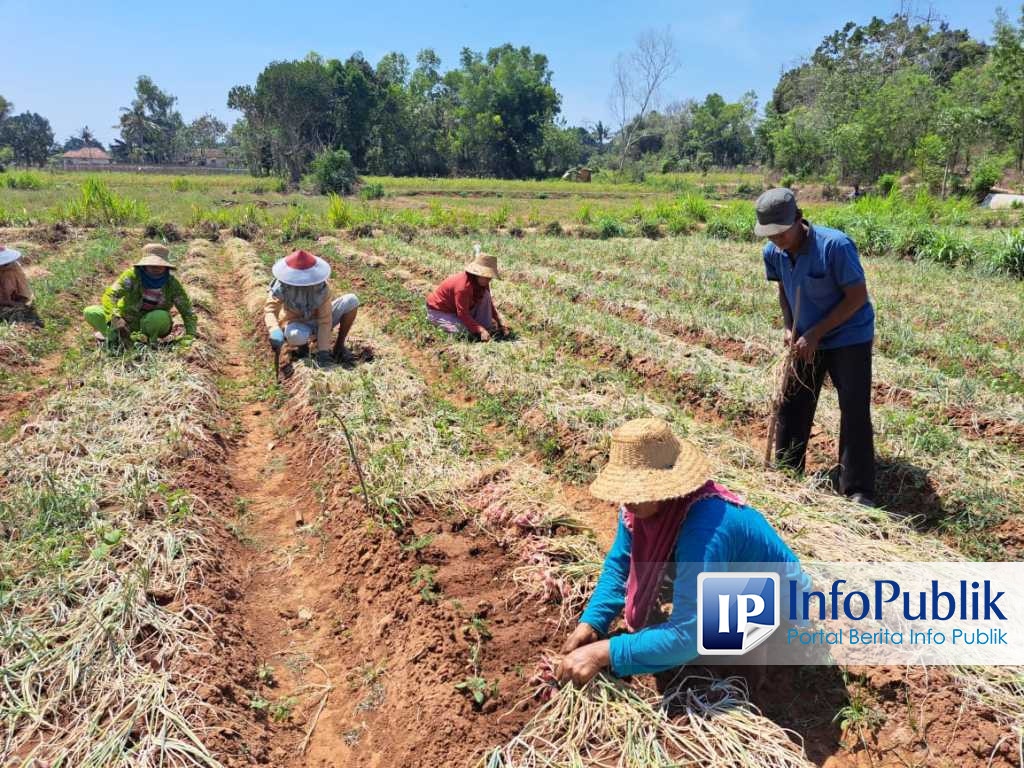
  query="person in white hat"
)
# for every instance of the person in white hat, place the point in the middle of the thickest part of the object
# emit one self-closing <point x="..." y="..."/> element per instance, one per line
<point x="670" y="513"/>
<point x="299" y="307"/>
<point x="16" y="300"/>
<point x="140" y="301"/>
<point x="462" y="303"/>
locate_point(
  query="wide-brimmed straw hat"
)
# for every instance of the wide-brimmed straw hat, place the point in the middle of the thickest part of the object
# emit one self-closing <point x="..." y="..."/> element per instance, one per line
<point x="154" y="255"/>
<point x="301" y="268"/>
<point x="649" y="463"/>
<point x="8" y="256"/>
<point x="483" y="264"/>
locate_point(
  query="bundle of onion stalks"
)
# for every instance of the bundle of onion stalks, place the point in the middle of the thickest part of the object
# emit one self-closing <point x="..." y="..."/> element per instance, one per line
<point x="700" y="721"/>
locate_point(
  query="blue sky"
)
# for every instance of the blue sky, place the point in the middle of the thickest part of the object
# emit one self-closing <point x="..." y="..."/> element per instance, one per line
<point x="76" y="63"/>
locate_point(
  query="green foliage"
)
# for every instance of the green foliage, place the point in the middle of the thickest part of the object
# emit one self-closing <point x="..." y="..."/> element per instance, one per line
<point x="886" y="183"/>
<point x="149" y="126"/>
<point x="424" y="579"/>
<point x="788" y="180"/>
<point x="1009" y="255"/>
<point x="371" y="192"/>
<point x="608" y="226"/>
<point x="23" y="180"/>
<point x="478" y="689"/>
<point x="297" y="224"/>
<point x="732" y="222"/>
<point x="695" y="206"/>
<point x="181" y="184"/>
<point x="332" y="172"/>
<point x="930" y="157"/>
<point x="29" y="138"/>
<point x="985" y="174"/>
<point x="96" y="205"/>
<point x="339" y="213"/>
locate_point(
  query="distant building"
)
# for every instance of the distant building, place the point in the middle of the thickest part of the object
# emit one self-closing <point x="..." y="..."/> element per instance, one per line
<point x="215" y="158"/>
<point x="87" y="156"/>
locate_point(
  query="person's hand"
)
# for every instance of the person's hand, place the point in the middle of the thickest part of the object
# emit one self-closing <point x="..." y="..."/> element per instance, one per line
<point x="584" y="634"/>
<point x="805" y="347"/>
<point x="276" y="339"/>
<point x="581" y="665"/>
<point x="485" y="335"/>
<point x="323" y="357"/>
<point x="118" y="323"/>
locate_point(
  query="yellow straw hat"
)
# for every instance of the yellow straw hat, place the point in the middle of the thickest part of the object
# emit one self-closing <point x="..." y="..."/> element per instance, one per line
<point x="649" y="463"/>
<point x="154" y="255"/>
<point x="483" y="264"/>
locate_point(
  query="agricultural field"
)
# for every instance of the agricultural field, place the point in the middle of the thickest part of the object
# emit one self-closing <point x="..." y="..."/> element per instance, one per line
<point x="202" y="566"/>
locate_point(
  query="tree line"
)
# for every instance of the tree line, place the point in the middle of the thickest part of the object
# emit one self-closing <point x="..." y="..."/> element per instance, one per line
<point x="884" y="97"/>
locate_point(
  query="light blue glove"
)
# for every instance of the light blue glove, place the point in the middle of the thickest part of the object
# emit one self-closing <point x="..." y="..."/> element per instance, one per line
<point x="277" y="338"/>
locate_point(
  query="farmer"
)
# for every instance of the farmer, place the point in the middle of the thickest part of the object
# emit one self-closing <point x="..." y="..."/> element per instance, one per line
<point x="140" y="301"/>
<point x="463" y="303"/>
<point x="16" y="300"/>
<point x="299" y="307"/>
<point x="671" y="514"/>
<point x="821" y="278"/>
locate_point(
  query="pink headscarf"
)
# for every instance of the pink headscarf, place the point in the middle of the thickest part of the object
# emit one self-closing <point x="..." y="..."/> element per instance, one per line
<point x="654" y="541"/>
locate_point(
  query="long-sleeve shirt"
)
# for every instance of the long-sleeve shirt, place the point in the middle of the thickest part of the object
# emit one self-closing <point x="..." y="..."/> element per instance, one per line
<point x="715" y="536"/>
<point x="277" y="314"/>
<point x="126" y="298"/>
<point x="14" y="284"/>
<point x="458" y="295"/>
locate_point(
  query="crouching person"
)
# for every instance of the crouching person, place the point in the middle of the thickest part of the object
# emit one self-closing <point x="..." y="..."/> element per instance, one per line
<point x="462" y="303"/>
<point x="140" y="302"/>
<point x="673" y="519"/>
<point x="299" y="308"/>
<point x="16" y="300"/>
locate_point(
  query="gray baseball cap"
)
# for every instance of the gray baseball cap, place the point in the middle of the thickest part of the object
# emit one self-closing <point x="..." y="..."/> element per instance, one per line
<point x="776" y="212"/>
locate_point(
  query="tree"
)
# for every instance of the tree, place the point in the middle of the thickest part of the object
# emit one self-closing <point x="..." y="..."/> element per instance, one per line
<point x="638" y="78"/>
<point x="83" y="140"/>
<point x="1008" y="66"/>
<point x="201" y="135"/>
<point x="29" y="136"/>
<point x="149" y="126"/>
<point x="6" y="107"/>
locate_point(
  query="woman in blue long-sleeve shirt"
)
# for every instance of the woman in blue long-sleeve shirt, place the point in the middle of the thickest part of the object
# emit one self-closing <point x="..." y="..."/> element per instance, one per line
<point x="671" y="514"/>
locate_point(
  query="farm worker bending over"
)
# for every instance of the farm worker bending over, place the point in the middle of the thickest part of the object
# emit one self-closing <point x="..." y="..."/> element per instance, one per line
<point x="671" y="513"/>
<point x="140" y="301"/>
<point x="300" y="307"/>
<point x="15" y="295"/>
<point x="820" y="276"/>
<point x="463" y="303"/>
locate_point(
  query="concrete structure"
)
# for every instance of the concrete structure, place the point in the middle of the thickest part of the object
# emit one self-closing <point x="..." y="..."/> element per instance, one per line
<point x="87" y="156"/>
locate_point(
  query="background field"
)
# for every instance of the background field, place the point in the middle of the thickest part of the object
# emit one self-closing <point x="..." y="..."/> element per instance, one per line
<point x="157" y="493"/>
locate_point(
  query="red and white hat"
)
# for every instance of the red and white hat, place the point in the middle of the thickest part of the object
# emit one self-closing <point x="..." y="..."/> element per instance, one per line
<point x="301" y="268"/>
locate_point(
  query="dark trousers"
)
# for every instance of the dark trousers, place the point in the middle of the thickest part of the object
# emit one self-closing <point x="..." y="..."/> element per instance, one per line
<point x="850" y="371"/>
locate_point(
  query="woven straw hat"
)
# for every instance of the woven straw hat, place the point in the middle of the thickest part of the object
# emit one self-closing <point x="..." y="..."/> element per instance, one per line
<point x="649" y="463"/>
<point x="154" y="255"/>
<point x="301" y="268"/>
<point x="8" y="256"/>
<point x="483" y="264"/>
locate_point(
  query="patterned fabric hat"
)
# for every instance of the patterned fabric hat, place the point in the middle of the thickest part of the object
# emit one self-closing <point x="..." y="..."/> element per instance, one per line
<point x="301" y="268"/>
<point x="647" y="462"/>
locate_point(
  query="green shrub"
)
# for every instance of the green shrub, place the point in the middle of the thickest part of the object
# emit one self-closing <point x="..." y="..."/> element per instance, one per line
<point x="97" y="206"/>
<point x="746" y="189"/>
<point x="946" y="247"/>
<point x="279" y="185"/>
<point x="339" y="213"/>
<point x="787" y="181"/>
<point x="649" y="228"/>
<point x="12" y="218"/>
<point x="680" y="224"/>
<point x="23" y="180"/>
<point x="553" y="229"/>
<point x="371" y="192"/>
<point x="584" y="215"/>
<point x="1008" y="256"/>
<point x="609" y="226"/>
<point x="180" y="184"/>
<point x="733" y="222"/>
<point x="985" y="174"/>
<point x="695" y="206"/>
<point x="249" y="223"/>
<point x="887" y="183"/>
<point x="332" y="172"/>
<point x="298" y="223"/>
<point x="499" y="216"/>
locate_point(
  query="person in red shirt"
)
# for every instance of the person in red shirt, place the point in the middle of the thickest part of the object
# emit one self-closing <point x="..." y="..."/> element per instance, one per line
<point x="462" y="303"/>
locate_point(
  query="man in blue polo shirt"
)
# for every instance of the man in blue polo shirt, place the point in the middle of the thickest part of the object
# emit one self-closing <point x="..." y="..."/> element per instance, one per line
<point x="821" y="280"/>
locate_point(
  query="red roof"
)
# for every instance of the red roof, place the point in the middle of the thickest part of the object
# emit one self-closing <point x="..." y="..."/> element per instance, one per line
<point x="87" y="153"/>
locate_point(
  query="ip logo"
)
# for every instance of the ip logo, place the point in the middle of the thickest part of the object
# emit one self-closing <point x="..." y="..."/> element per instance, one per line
<point x="736" y="612"/>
